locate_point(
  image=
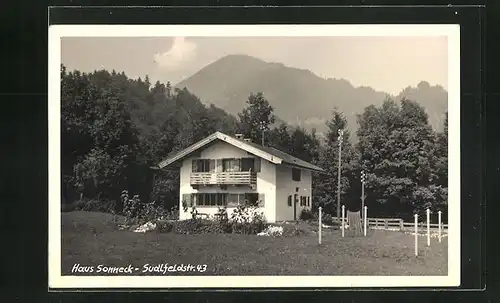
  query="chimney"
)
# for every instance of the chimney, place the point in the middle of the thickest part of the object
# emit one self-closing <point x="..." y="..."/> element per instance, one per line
<point x="248" y="140"/>
<point x="239" y="136"/>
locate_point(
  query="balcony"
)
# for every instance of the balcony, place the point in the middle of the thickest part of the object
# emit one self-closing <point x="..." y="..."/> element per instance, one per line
<point x="224" y="178"/>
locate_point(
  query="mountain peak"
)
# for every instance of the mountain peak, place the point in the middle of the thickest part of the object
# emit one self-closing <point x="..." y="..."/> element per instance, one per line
<point x="295" y="94"/>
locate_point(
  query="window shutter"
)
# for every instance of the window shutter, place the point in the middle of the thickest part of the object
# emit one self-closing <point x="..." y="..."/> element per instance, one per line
<point x="257" y="164"/>
<point x="187" y="198"/>
<point x="219" y="165"/>
<point x="195" y="166"/>
<point x="262" y="201"/>
<point x="212" y="166"/>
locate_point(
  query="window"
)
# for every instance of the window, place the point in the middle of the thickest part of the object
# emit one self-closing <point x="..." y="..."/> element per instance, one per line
<point x="290" y="201"/>
<point x="224" y="199"/>
<point x="252" y="199"/>
<point x="232" y="200"/>
<point x="203" y="166"/>
<point x="303" y="201"/>
<point x="231" y="165"/>
<point x="210" y="199"/>
<point x="308" y="201"/>
<point x="295" y="174"/>
<point x="247" y="164"/>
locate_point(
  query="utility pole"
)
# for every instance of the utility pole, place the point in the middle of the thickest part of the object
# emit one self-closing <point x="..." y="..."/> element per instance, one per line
<point x="340" y="138"/>
<point x="263" y="129"/>
<point x="363" y="176"/>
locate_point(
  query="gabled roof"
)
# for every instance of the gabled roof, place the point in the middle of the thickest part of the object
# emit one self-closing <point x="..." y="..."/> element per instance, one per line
<point x="270" y="154"/>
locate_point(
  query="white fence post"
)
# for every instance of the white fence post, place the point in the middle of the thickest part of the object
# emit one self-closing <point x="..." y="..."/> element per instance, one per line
<point x="428" y="227"/>
<point x="342" y="223"/>
<point x="439" y="226"/>
<point x="365" y="218"/>
<point x="416" y="234"/>
<point x="319" y="227"/>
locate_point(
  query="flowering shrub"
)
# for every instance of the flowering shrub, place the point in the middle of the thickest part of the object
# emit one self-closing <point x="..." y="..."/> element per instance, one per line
<point x="294" y="231"/>
<point x="247" y="220"/>
<point x="194" y="211"/>
<point x="151" y="212"/>
<point x="136" y="211"/>
<point x="272" y="231"/>
<point x="147" y="227"/>
<point x="222" y="219"/>
<point x="131" y="207"/>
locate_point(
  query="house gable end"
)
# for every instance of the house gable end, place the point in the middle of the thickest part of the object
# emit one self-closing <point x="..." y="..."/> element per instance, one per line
<point x="225" y="138"/>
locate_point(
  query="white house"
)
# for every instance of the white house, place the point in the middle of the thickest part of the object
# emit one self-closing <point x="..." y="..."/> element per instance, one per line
<point x="222" y="170"/>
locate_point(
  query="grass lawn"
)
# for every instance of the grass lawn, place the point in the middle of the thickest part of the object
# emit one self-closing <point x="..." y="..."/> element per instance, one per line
<point x="90" y="239"/>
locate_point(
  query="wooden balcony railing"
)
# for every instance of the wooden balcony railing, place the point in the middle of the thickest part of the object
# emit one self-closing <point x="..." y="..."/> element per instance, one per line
<point x="224" y="178"/>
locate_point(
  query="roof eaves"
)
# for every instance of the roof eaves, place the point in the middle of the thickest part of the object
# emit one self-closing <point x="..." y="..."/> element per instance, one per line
<point x="226" y="138"/>
<point x="308" y="166"/>
<point x="249" y="148"/>
<point x="188" y="150"/>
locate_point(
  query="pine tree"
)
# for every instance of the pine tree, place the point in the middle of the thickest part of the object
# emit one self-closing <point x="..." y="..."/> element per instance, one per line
<point x="256" y="118"/>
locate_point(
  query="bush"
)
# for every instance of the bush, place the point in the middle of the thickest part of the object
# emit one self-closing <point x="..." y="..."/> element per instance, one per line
<point x="96" y="206"/>
<point x="164" y="226"/>
<point x="139" y="213"/>
<point x="294" y="231"/>
<point x="173" y="214"/>
<point x="306" y="215"/>
<point x="150" y="212"/>
<point x="196" y="226"/>
<point x="327" y="219"/>
<point x="131" y="207"/>
<point x="222" y="219"/>
<point x="247" y="220"/>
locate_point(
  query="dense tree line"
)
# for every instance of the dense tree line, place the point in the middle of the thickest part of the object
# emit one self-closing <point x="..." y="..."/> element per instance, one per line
<point x="115" y="129"/>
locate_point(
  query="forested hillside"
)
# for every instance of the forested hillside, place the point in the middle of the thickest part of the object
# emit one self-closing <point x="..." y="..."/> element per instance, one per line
<point x="115" y="129"/>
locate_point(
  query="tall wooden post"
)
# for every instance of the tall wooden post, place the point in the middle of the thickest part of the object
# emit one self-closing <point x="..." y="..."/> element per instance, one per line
<point x="416" y="234"/>
<point x="319" y="226"/>
<point x="363" y="192"/>
<point x="439" y="226"/>
<point x="428" y="227"/>
<point x="340" y="138"/>
<point x="342" y="223"/>
<point x="365" y="218"/>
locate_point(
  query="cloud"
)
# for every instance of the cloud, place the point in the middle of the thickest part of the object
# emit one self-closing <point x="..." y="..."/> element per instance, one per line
<point x="181" y="52"/>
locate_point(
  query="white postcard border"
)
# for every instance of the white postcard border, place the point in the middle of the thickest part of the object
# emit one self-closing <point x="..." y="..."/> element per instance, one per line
<point x="56" y="32"/>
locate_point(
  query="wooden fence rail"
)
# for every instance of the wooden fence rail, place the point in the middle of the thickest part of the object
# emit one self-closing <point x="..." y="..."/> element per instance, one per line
<point x="392" y="223"/>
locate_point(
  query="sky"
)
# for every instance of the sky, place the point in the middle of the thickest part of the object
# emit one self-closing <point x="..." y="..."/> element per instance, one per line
<point x="387" y="64"/>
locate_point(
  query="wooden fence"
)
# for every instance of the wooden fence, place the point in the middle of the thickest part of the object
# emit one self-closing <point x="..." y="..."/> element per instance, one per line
<point x="399" y="224"/>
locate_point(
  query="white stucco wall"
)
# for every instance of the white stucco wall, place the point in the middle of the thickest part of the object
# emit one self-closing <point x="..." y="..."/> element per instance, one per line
<point x="266" y="181"/>
<point x="286" y="186"/>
